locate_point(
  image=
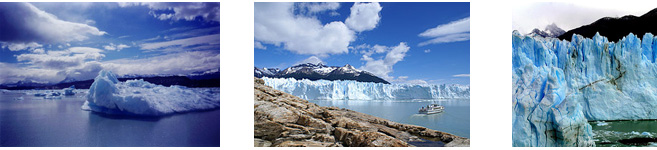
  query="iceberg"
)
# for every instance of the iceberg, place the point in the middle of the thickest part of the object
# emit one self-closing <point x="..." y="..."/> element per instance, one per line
<point x="69" y="90"/>
<point x="354" y="90"/>
<point x="558" y="86"/>
<point x="138" y="97"/>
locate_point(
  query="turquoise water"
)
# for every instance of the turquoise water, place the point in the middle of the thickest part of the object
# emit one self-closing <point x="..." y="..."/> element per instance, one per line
<point x="610" y="134"/>
<point x="26" y="120"/>
<point x="455" y="119"/>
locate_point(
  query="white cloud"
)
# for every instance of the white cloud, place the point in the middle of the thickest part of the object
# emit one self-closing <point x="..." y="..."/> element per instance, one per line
<point x="383" y="67"/>
<point x="571" y="14"/>
<point x="10" y="73"/>
<point x="212" y="40"/>
<point x="427" y="50"/>
<point x="181" y="11"/>
<point x="20" y="46"/>
<point x="176" y="63"/>
<point x="461" y="75"/>
<point x="259" y="45"/>
<point x="364" y="16"/>
<point x="447" y="39"/>
<point x="454" y="31"/>
<point x="312" y="60"/>
<point x="112" y="47"/>
<point x="25" y="24"/>
<point x="312" y="8"/>
<point x="71" y="57"/>
<point x="276" y="23"/>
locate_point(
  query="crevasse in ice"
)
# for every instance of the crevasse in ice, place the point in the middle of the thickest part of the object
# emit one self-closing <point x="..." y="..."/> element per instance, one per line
<point x="353" y="90"/>
<point x="138" y="97"/>
<point x="560" y="85"/>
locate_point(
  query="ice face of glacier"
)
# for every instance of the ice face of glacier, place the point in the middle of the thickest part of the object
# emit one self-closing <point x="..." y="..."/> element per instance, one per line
<point x="354" y="90"/>
<point x="559" y="85"/>
<point x="138" y="97"/>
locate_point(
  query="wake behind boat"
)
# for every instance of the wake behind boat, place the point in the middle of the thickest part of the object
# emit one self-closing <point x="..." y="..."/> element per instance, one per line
<point x="431" y="109"/>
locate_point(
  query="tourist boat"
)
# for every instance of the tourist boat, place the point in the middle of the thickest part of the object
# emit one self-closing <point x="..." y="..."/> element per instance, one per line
<point x="431" y="109"/>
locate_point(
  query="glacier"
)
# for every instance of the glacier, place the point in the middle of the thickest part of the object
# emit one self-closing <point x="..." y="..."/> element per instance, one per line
<point x="138" y="97"/>
<point x="558" y="86"/>
<point x="354" y="90"/>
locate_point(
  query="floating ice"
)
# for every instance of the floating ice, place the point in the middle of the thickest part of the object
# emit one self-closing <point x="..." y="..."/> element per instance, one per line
<point x="138" y="97"/>
<point x="350" y="90"/>
<point x="601" y="123"/>
<point x="646" y="134"/>
<point x="69" y="90"/>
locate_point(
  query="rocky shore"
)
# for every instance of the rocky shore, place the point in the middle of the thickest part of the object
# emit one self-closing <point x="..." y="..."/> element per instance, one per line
<point x="284" y="120"/>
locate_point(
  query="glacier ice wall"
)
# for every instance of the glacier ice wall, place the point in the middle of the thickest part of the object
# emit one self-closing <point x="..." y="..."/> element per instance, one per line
<point x="559" y="85"/>
<point x="138" y="97"/>
<point x="353" y="90"/>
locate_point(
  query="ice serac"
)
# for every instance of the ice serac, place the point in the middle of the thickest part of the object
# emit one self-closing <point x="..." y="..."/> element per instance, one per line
<point x="138" y="97"/>
<point x="559" y="85"/>
<point x="354" y="90"/>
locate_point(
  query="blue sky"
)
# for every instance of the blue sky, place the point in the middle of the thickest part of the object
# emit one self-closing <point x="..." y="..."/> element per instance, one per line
<point x="48" y="42"/>
<point x="400" y="42"/>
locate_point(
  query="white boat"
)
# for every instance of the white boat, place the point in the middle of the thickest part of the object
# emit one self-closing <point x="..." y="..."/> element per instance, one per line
<point x="431" y="109"/>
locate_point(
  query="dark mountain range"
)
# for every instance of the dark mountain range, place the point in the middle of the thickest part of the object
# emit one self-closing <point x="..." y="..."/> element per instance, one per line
<point x="319" y="71"/>
<point x="616" y="28"/>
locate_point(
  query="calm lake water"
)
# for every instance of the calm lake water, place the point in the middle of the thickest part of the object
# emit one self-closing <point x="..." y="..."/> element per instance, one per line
<point x="609" y="134"/>
<point x="455" y="119"/>
<point x="35" y="121"/>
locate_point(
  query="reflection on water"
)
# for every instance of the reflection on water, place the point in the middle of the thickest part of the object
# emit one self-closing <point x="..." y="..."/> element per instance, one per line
<point x="455" y="119"/>
<point x="35" y="121"/>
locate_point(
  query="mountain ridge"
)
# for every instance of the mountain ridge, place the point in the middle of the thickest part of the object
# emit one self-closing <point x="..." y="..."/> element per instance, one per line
<point x="319" y="71"/>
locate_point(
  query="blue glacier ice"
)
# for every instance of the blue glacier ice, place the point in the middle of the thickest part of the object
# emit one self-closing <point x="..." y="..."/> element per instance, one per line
<point x="558" y="86"/>
<point x="138" y="97"/>
<point x="353" y="90"/>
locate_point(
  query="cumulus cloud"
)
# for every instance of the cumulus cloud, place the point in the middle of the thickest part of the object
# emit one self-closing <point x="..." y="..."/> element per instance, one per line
<point x="71" y="57"/>
<point x="276" y="23"/>
<point x="461" y="75"/>
<point x="383" y="67"/>
<point x="24" y="25"/>
<point x="209" y="11"/>
<point x="207" y="40"/>
<point x="312" y="60"/>
<point x="427" y="50"/>
<point x="364" y="16"/>
<point x="454" y="31"/>
<point x="112" y="47"/>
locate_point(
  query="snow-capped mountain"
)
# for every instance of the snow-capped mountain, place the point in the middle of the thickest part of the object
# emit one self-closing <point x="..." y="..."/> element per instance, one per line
<point x="265" y="72"/>
<point x="319" y="71"/>
<point x="551" y="30"/>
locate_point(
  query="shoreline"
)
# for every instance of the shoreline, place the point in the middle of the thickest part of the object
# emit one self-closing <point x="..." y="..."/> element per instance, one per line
<point x="284" y="120"/>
